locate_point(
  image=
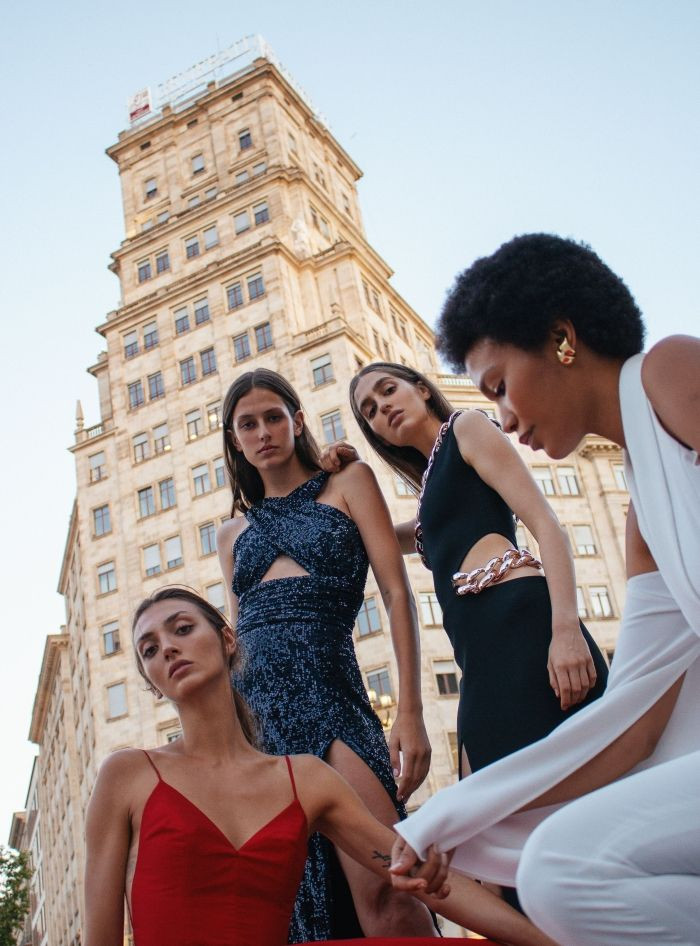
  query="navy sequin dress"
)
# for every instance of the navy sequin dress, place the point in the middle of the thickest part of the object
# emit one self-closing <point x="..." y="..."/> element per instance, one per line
<point x="300" y="674"/>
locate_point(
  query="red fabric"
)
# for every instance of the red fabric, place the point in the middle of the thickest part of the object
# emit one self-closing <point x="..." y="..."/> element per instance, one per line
<point x="403" y="941"/>
<point x="192" y="886"/>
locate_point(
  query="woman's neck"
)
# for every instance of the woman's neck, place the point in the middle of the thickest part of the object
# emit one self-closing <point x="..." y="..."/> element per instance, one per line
<point x="604" y="415"/>
<point x="210" y="725"/>
<point x="280" y="481"/>
<point x="425" y="434"/>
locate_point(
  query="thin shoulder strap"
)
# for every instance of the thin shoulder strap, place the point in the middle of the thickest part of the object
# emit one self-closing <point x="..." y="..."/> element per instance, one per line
<point x="153" y="765"/>
<point x="291" y="776"/>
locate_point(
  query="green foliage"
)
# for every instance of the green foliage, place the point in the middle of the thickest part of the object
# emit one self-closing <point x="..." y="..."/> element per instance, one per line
<point x="15" y="874"/>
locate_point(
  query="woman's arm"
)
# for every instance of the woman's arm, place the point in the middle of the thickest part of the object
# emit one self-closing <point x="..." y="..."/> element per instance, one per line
<point x="570" y="665"/>
<point x="341" y="816"/>
<point x="369" y="512"/>
<point x="406" y="535"/>
<point x="671" y="379"/>
<point x="225" y="538"/>
<point x="107" y="835"/>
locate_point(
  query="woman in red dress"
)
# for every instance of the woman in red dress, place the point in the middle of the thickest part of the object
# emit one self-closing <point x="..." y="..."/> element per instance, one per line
<point x="207" y="836"/>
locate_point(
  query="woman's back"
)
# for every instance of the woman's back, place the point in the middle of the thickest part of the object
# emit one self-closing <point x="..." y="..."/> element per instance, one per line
<point x="192" y="885"/>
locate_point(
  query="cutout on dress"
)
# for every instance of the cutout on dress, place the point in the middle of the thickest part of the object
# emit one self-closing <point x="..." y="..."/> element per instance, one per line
<point x="284" y="567"/>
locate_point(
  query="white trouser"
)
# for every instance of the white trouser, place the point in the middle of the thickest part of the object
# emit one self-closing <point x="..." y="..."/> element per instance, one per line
<point x="620" y="866"/>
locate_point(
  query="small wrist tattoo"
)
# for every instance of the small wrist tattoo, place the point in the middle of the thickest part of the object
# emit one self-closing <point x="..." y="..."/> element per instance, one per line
<point x="385" y="858"/>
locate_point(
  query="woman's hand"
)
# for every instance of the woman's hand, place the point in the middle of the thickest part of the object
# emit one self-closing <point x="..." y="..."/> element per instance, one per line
<point x="426" y="876"/>
<point x="409" y="737"/>
<point x="570" y="665"/>
<point x="337" y="455"/>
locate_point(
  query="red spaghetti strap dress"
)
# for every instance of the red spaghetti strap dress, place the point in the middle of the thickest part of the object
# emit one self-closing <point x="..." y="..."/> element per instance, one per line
<point x="192" y="887"/>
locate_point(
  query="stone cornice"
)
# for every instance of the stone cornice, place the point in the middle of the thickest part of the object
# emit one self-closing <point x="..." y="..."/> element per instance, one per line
<point x="49" y="666"/>
<point x="597" y="446"/>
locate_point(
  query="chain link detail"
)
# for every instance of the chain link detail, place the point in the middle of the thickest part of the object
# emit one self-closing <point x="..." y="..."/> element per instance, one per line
<point x="471" y="583"/>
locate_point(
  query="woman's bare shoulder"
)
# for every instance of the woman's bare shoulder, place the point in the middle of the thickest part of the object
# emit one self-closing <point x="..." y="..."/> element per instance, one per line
<point x="230" y="529"/>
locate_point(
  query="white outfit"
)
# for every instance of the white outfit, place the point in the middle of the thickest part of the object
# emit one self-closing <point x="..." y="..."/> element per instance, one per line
<point x="598" y="870"/>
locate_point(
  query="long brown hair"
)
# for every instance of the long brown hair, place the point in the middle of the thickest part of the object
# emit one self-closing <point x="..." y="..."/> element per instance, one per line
<point x="218" y="623"/>
<point x="407" y="462"/>
<point x="246" y="483"/>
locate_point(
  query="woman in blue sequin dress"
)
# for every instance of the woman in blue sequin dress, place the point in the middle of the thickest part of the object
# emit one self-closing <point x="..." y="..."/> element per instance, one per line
<point x="296" y="564"/>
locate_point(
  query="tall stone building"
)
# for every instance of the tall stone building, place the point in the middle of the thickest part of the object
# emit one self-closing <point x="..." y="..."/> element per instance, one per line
<point x="244" y="247"/>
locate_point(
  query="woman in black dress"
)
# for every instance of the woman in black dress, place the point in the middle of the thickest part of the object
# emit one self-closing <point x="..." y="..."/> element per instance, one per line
<point x="295" y="563"/>
<point x="526" y="660"/>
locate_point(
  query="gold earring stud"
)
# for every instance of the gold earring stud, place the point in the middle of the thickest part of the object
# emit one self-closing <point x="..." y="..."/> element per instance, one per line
<point x="565" y="353"/>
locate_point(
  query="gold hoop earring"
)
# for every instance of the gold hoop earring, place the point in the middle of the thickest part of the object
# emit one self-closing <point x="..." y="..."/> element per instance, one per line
<point x="565" y="353"/>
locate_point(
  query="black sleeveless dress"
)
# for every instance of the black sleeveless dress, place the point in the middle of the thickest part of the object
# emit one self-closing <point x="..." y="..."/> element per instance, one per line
<point x="500" y="636"/>
<point x="300" y="674"/>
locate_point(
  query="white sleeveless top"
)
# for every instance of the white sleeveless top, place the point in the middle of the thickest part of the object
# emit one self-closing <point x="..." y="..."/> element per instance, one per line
<point x="659" y="640"/>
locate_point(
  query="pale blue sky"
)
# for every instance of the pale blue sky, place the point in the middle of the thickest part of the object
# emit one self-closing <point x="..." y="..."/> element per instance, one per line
<point x="471" y="120"/>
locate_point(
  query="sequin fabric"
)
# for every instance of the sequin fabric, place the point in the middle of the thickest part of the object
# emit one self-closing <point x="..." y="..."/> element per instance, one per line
<point x="300" y="674"/>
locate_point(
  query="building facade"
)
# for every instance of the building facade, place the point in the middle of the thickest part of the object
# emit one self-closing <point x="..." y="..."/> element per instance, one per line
<point x="244" y="247"/>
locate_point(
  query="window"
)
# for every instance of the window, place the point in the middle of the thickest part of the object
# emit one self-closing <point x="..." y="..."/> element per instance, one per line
<point x="259" y="168"/>
<point x="110" y="638"/>
<point x="210" y="193"/>
<point x="194" y="201"/>
<point x="256" y="287"/>
<point x="107" y="578"/>
<point x="100" y="520"/>
<point x="368" y="619"/>
<point x="332" y="426"/>
<point x="379" y="682"/>
<point x="263" y="336"/>
<point x="141" y="448"/>
<point x="151" y="188"/>
<point x="600" y="601"/>
<point x="581" y="602"/>
<point x="375" y="301"/>
<point x="241" y="221"/>
<point x="156" y="387"/>
<point x="192" y="247"/>
<point x="219" y="471"/>
<point x="161" y="438"/>
<point x="245" y="139"/>
<point x="404" y="331"/>
<point x="188" y="372"/>
<point x="242" y="177"/>
<point x="583" y="540"/>
<point x="322" y="369"/>
<point x="173" y="552"/>
<point x="167" y="493"/>
<point x="261" y="213"/>
<point x="619" y="474"/>
<point x="208" y="359"/>
<point x="401" y="487"/>
<point x="151" y="560"/>
<point x="144" y="270"/>
<point x="98" y="470"/>
<point x="241" y="347"/>
<point x="172" y="736"/>
<point x="346" y="205"/>
<point x="182" y="321"/>
<point x="387" y="352"/>
<point x="324" y="228"/>
<point x="116" y="700"/>
<point x="568" y="484"/>
<point x="207" y="538"/>
<point x="147" y="502"/>
<point x="543" y="478"/>
<point x="193" y="421"/>
<point x="214" y="415"/>
<point x="197" y="163"/>
<point x="234" y="294"/>
<point x="292" y="142"/>
<point x="377" y="344"/>
<point x="162" y="261"/>
<point x="430" y="610"/>
<point x="446" y="677"/>
<point x="136" y="396"/>
<point x="131" y="344"/>
<point x="150" y="336"/>
<point x="200" y="478"/>
<point x="201" y="311"/>
<point x="163" y="216"/>
<point x="215" y="595"/>
<point x="211" y="237"/>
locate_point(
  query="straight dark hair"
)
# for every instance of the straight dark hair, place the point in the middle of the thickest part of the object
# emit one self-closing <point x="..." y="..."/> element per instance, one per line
<point x="407" y="462"/>
<point x="246" y="483"/>
<point x="218" y="623"/>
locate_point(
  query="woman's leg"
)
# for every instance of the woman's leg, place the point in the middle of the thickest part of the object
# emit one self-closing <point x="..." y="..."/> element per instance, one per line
<point x="382" y="911"/>
<point x="620" y="866"/>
